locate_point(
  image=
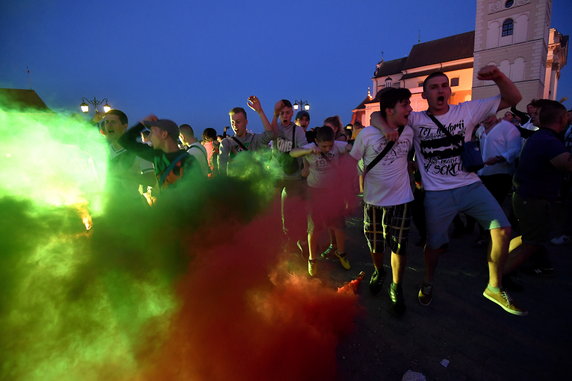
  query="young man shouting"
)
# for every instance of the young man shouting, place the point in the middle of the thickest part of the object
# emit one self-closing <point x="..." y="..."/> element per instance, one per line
<point x="387" y="190"/>
<point x="449" y="189"/>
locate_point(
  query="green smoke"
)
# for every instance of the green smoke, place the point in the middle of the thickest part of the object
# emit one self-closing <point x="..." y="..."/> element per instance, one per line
<point x="51" y="159"/>
<point x="79" y="304"/>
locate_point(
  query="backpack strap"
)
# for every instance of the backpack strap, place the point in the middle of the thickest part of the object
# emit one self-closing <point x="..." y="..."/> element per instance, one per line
<point x="294" y="136"/>
<point x="171" y="166"/>
<point x="202" y="149"/>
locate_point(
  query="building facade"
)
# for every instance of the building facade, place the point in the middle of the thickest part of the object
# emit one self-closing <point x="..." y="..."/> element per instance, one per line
<point x="514" y="35"/>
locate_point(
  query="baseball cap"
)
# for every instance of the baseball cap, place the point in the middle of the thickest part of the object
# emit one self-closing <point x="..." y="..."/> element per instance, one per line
<point x="165" y="125"/>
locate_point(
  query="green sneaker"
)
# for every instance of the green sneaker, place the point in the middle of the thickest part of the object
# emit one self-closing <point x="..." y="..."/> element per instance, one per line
<point x="504" y="300"/>
<point x="425" y="294"/>
<point x="328" y="252"/>
<point x="396" y="298"/>
<point x="343" y="260"/>
<point x="376" y="281"/>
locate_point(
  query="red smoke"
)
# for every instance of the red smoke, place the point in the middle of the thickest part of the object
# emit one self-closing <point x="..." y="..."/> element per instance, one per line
<point x="245" y="316"/>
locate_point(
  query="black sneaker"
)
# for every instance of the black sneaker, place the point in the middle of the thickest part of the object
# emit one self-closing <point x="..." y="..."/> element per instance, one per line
<point x="376" y="281"/>
<point x="396" y="298"/>
<point x="425" y="294"/>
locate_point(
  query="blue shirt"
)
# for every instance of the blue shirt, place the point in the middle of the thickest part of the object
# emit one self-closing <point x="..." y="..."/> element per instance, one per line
<point x="535" y="176"/>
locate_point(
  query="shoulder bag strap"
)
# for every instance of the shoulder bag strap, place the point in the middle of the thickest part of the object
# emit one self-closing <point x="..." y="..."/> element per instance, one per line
<point x="382" y="153"/>
<point x="440" y="126"/>
<point x="239" y="143"/>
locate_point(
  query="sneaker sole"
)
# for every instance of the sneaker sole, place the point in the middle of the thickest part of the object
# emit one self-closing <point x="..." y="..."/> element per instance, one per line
<point x="513" y="312"/>
<point x="424" y="304"/>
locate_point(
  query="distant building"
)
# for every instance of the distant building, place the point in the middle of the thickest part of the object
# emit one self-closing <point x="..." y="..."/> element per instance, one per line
<point x="26" y="100"/>
<point x="512" y="34"/>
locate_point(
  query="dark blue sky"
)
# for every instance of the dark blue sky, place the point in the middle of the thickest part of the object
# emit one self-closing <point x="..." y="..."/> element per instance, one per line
<point x="192" y="61"/>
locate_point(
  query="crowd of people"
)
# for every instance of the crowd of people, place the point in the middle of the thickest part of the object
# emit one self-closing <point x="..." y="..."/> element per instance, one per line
<point x="407" y="166"/>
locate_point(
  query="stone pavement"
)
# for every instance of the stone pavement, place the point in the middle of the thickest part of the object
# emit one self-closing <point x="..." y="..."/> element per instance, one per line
<point x="479" y="339"/>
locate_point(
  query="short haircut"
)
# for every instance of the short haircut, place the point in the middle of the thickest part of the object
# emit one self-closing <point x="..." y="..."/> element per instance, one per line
<point x="433" y="75"/>
<point x="236" y="110"/>
<point x="334" y="120"/>
<point x="390" y="96"/>
<point x="287" y="103"/>
<point x="539" y="103"/>
<point x="120" y="114"/>
<point x="302" y="114"/>
<point x="209" y="134"/>
<point x="187" y="129"/>
<point x="551" y="112"/>
<point x="324" y="134"/>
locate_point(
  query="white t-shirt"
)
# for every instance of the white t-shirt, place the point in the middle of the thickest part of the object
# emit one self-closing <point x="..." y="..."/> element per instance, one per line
<point x="322" y="165"/>
<point x="438" y="157"/>
<point x="502" y="140"/>
<point x="284" y="143"/>
<point x="199" y="152"/>
<point x="387" y="183"/>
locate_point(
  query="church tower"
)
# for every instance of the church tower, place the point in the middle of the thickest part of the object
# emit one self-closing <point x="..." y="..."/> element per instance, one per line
<point x="515" y="36"/>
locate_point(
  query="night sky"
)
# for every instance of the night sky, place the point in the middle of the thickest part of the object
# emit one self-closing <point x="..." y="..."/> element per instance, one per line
<point x="192" y="61"/>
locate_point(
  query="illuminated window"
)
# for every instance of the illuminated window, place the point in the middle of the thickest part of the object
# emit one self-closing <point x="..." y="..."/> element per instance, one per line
<point x="507" y="27"/>
<point x="455" y="81"/>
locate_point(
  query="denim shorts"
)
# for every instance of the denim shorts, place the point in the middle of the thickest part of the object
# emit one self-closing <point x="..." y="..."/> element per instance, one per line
<point x="475" y="200"/>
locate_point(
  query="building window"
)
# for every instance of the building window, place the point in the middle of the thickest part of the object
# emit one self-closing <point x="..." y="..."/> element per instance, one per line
<point x="455" y="81"/>
<point x="507" y="27"/>
<point x="509" y="3"/>
<point x="388" y="82"/>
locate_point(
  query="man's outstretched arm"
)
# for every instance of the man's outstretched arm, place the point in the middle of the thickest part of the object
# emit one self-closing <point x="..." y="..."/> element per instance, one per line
<point x="510" y="95"/>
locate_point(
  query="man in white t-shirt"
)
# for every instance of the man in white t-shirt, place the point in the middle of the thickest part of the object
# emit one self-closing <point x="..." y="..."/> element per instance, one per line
<point x="500" y="144"/>
<point x="194" y="147"/>
<point x="243" y="140"/>
<point x="291" y="185"/>
<point x="449" y="189"/>
<point x="387" y="190"/>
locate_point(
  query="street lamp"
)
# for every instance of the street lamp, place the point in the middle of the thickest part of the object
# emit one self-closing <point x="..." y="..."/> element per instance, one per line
<point x="304" y="105"/>
<point x="95" y="103"/>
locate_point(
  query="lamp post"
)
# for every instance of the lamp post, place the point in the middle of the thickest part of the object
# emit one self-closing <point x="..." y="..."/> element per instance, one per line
<point x="85" y="102"/>
<point x="304" y="105"/>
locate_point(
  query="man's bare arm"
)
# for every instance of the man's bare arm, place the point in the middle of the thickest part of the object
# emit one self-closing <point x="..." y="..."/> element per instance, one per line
<point x="510" y="95"/>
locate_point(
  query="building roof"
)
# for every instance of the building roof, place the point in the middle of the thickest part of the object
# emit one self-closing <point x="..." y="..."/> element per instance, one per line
<point x="22" y="99"/>
<point x="367" y="99"/>
<point x="390" y="67"/>
<point x="443" y="69"/>
<point x="444" y="49"/>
